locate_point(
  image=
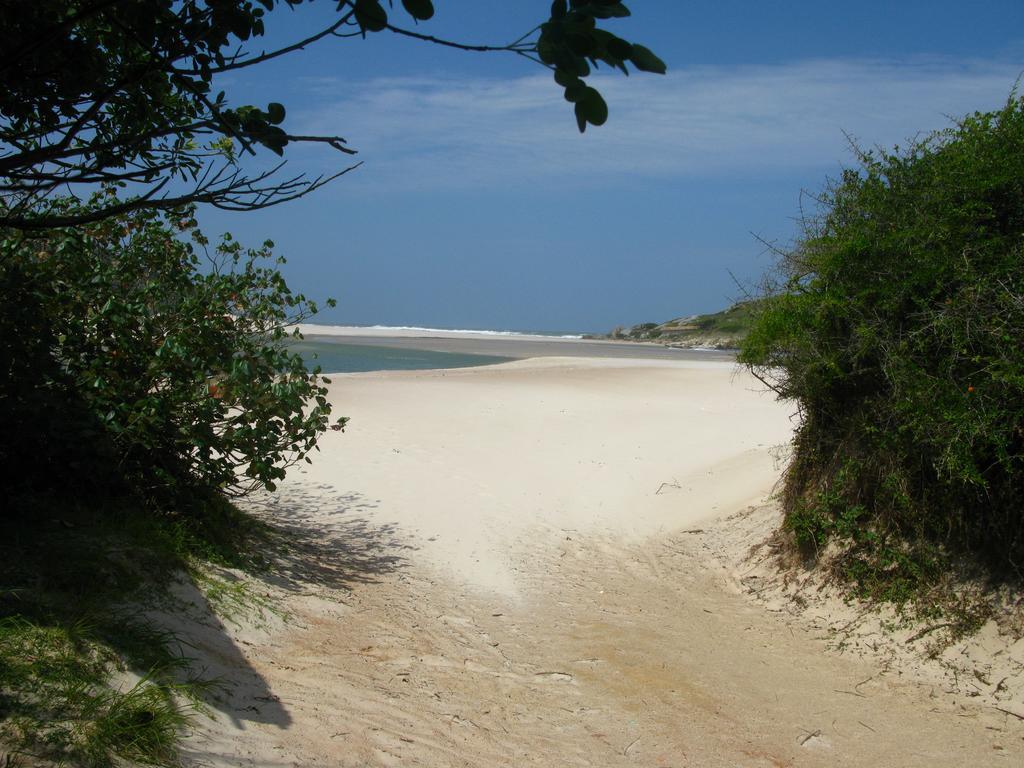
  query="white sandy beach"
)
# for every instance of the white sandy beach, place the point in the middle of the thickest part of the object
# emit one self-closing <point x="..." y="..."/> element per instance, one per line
<point x="541" y="563"/>
<point x="469" y="462"/>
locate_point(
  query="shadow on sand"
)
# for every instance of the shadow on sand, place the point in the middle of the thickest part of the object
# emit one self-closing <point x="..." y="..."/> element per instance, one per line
<point x="76" y="573"/>
<point x="322" y="540"/>
<point x="327" y="539"/>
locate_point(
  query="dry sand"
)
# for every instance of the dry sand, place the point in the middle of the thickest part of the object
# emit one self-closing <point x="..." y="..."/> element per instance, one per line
<point x="536" y="563"/>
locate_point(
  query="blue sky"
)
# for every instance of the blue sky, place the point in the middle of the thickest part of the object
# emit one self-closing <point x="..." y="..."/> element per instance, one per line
<point x="479" y="205"/>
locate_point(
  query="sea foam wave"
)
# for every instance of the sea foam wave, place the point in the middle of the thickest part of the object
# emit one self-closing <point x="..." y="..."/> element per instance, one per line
<point x="475" y="331"/>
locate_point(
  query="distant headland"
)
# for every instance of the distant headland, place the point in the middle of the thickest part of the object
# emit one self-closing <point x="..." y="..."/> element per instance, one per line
<point x="719" y="330"/>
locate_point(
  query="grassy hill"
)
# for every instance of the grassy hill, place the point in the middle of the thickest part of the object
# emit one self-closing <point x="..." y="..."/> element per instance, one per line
<point x="720" y="330"/>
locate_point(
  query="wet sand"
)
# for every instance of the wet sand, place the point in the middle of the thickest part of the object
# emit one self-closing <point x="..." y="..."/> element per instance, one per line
<point x="520" y="347"/>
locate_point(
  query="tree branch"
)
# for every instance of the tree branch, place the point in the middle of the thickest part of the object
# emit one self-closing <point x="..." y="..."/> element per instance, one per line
<point x="511" y="47"/>
<point x="237" y="193"/>
<point x="233" y="63"/>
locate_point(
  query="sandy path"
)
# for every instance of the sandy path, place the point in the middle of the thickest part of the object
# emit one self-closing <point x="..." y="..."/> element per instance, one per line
<point x="507" y="566"/>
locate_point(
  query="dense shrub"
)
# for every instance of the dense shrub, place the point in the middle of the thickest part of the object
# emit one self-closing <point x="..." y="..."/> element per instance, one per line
<point x="898" y="328"/>
<point x="133" y="353"/>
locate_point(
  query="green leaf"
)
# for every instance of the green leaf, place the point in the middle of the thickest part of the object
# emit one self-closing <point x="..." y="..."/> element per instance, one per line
<point x="598" y="108"/>
<point x="602" y="10"/>
<point x="546" y="50"/>
<point x="421" y="10"/>
<point x="566" y="79"/>
<point x="619" y="48"/>
<point x="575" y="92"/>
<point x="275" y="113"/>
<point x="581" y="45"/>
<point x="569" y="62"/>
<point x="590" y="108"/>
<point x="645" y="60"/>
<point x="371" y="15"/>
<point x="581" y="118"/>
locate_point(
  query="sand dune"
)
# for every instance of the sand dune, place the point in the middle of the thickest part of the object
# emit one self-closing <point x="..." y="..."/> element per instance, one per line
<point x="522" y="565"/>
<point x="467" y="462"/>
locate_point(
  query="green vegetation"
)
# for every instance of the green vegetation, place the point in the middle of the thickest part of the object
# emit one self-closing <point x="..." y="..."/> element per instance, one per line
<point x="722" y="330"/>
<point x="140" y="388"/>
<point x="128" y="365"/>
<point x="85" y="679"/>
<point x="896" y="328"/>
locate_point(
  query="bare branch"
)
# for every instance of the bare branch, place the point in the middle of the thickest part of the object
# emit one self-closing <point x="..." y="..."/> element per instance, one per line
<point x="513" y="47"/>
<point x="233" y="62"/>
<point x="227" y="191"/>
<point x="335" y="142"/>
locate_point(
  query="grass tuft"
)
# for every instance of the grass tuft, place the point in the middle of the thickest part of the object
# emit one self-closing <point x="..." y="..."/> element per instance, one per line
<point x="84" y="678"/>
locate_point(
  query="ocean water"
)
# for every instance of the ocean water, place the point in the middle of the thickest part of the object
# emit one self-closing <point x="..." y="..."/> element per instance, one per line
<point x="358" y="358"/>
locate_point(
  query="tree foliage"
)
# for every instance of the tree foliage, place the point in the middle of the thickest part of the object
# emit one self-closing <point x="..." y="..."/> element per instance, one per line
<point x="897" y="329"/>
<point x="99" y="91"/>
<point x="130" y="360"/>
<point x="171" y="373"/>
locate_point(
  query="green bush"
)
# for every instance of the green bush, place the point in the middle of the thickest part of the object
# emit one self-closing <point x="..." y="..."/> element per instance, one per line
<point x="898" y="329"/>
<point x="136" y="355"/>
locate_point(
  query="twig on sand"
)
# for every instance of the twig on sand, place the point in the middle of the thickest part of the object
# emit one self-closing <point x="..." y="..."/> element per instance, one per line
<point x="630" y="745"/>
<point x="673" y="484"/>
<point x="851" y="693"/>
<point x="1018" y="715"/>
<point x="853" y="621"/>
<point x="806" y="736"/>
<point x="928" y="630"/>
<point x="862" y="682"/>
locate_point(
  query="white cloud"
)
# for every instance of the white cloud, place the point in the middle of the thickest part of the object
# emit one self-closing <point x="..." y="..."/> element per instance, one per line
<point x="433" y="131"/>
